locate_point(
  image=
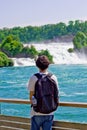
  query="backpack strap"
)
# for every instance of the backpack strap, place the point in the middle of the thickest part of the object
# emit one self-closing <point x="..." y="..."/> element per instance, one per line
<point x="49" y="75"/>
<point x="38" y="75"/>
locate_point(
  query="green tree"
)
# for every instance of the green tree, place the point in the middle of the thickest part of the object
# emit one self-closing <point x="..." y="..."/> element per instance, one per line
<point x="30" y="51"/>
<point x="80" y="40"/>
<point x="11" y="47"/>
<point x="47" y="53"/>
<point x="5" y="61"/>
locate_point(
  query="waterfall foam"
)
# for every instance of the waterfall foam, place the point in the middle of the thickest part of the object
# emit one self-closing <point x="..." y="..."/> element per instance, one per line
<point x="59" y="52"/>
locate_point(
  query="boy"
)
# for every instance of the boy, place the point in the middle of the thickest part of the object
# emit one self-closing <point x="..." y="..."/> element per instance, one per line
<point x="39" y="119"/>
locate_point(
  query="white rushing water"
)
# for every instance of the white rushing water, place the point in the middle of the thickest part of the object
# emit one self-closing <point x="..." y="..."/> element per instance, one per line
<point x="59" y="52"/>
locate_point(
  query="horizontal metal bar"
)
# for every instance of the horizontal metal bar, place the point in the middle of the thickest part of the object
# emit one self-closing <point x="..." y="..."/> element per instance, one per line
<point x="64" y="104"/>
<point x="16" y="101"/>
<point x="73" y="104"/>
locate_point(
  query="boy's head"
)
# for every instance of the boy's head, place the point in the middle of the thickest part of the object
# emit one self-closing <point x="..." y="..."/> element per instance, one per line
<point x="42" y="62"/>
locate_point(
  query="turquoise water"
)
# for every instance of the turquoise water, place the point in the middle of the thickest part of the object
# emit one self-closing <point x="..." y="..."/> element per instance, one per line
<point x="72" y="85"/>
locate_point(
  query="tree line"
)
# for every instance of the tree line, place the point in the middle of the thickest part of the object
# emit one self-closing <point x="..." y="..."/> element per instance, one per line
<point x="46" y="32"/>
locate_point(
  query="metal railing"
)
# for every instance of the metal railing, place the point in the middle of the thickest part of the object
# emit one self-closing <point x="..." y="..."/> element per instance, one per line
<point x="64" y="104"/>
<point x="22" y="101"/>
<point x="7" y="121"/>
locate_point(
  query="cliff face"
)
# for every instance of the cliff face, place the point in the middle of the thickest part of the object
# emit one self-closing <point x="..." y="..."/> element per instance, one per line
<point x="82" y="53"/>
<point x="64" y="39"/>
<point x="82" y="50"/>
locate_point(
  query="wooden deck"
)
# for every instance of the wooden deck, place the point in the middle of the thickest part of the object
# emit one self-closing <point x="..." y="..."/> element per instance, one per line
<point x="20" y="123"/>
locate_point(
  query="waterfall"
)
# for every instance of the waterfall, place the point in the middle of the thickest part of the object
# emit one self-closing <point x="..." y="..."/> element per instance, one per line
<point x="59" y="51"/>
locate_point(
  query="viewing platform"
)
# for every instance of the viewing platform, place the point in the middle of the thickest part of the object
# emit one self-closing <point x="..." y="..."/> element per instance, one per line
<point x="22" y="123"/>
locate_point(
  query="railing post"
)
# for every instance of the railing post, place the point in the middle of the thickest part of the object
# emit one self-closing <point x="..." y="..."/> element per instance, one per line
<point x="0" y="108"/>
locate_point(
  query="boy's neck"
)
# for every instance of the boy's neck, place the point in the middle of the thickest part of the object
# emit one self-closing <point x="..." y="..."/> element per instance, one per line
<point x="43" y="71"/>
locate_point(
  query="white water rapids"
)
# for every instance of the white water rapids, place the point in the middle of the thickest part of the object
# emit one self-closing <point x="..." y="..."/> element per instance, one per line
<point x="57" y="50"/>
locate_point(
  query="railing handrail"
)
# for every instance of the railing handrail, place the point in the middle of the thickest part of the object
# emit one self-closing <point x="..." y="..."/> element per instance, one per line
<point x="64" y="104"/>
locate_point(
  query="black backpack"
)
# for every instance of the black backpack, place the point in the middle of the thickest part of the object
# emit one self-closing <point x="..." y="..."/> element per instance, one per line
<point x="46" y="94"/>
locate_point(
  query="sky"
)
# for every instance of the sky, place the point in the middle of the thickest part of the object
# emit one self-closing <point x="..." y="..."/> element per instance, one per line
<point x="14" y="13"/>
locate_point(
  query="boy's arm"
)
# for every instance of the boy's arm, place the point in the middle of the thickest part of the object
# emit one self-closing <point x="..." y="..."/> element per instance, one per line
<point x="30" y="97"/>
<point x="31" y="86"/>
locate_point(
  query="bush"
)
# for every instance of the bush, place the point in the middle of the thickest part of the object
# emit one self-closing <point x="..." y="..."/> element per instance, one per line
<point x="11" y="47"/>
<point x="5" y="61"/>
<point x="46" y="53"/>
<point x="80" y="40"/>
<point x="70" y="50"/>
<point x="30" y="51"/>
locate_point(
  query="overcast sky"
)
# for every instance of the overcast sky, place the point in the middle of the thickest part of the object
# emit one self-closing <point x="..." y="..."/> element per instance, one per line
<point x="39" y="12"/>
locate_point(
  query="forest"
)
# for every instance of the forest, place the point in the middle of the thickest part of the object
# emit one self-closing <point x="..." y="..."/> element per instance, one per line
<point x="46" y="32"/>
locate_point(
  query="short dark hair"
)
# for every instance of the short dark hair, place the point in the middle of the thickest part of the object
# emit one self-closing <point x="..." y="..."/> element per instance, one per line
<point x="42" y="62"/>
